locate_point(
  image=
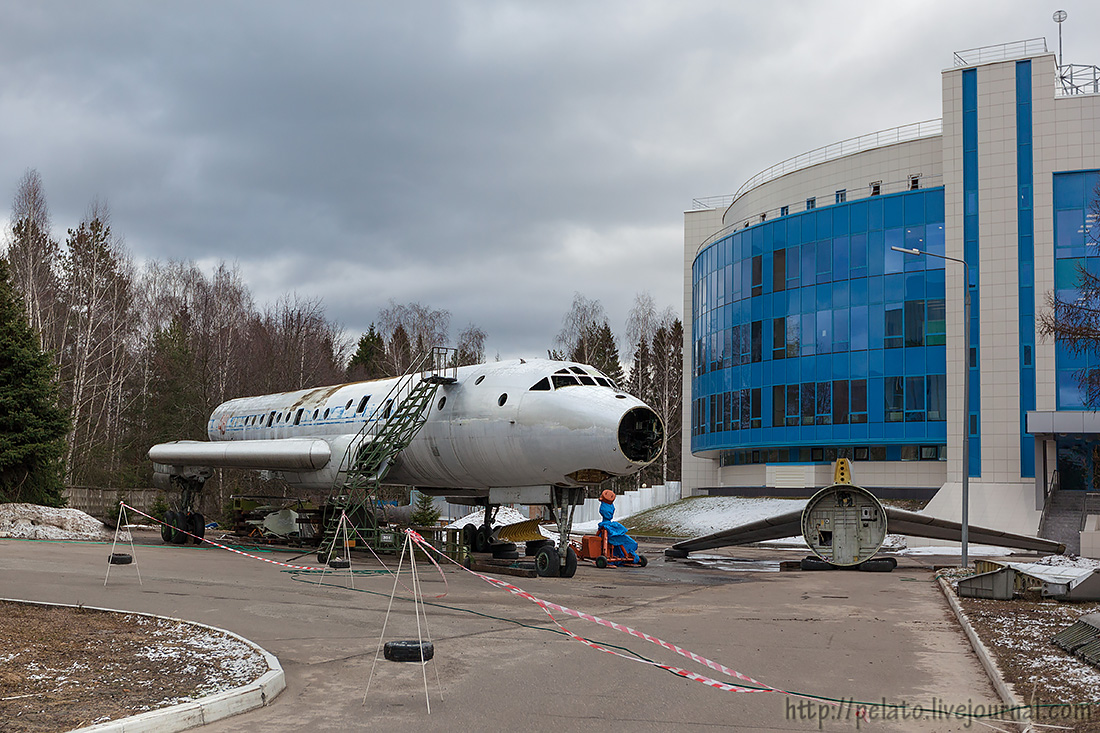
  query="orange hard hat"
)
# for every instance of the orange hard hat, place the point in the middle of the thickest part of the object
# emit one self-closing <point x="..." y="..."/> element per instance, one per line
<point x="607" y="495"/>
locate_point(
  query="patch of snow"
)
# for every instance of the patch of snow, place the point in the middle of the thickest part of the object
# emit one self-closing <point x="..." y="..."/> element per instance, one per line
<point x="1069" y="561"/>
<point x="505" y="515"/>
<point x="34" y="522"/>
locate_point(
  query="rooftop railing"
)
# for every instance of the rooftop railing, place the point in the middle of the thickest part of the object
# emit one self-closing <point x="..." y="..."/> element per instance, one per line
<point x="882" y="138"/>
<point x="1000" y="52"/>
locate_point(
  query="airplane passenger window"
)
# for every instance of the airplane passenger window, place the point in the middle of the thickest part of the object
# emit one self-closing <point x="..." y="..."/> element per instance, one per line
<point x="298" y="416"/>
<point x="326" y="414"/>
<point x="386" y="412"/>
<point x="442" y="401"/>
<point x="543" y="385"/>
<point x="315" y="414"/>
<point x="348" y="405"/>
<point x="362" y="404"/>
<point x="503" y="399"/>
<point x="479" y="379"/>
<point x="270" y="418"/>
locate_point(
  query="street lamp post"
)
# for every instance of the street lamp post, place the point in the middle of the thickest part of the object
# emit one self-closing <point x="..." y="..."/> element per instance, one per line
<point x="966" y="393"/>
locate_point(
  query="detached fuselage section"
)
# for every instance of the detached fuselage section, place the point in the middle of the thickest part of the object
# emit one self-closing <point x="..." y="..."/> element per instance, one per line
<point x="494" y="427"/>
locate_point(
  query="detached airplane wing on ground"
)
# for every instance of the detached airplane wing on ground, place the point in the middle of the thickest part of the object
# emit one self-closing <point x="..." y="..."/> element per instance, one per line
<point x="914" y="524"/>
<point x="772" y="528"/>
<point x="844" y="524"/>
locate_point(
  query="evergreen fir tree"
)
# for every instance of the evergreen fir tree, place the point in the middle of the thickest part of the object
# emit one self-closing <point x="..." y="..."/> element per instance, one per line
<point x="424" y="514"/>
<point x="367" y="363"/>
<point x="32" y="425"/>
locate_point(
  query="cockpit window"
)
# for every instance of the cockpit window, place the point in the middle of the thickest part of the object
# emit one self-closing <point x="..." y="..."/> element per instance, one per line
<point x="604" y="382"/>
<point x="543" y="385"/>
<point x="564" y="380"/>
<point x="362" y="404"/>
<point x="585" y="379"/>
<point x="562" y="371"/>
<point x="576" y="370"/>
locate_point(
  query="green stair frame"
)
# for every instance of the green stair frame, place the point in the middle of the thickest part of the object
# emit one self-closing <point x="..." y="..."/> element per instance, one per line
<point x="377" y="445"/>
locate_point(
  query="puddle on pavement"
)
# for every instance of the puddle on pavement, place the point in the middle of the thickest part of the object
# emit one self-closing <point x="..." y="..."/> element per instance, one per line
<point x="733" y="564"/>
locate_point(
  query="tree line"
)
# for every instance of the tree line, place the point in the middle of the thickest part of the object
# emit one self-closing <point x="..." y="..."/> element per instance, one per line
<point x="101" y="358"/>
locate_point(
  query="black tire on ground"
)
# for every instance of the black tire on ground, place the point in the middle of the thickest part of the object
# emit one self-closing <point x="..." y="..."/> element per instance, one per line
<point x="468" y="534"/>
<point x="532" y="546"/>
<point x="196" y="525"/>
<point x="408" y="651"/>
<point x="166" y="527"/>
<point x="642" y="561"/>
<point x="322" y="557"/>
<point x="339" y="563"/>
<point x="506" y="555"/>
<point x="601" y="562"/>
<point x="483" y="538"/>
<point x="878" y="565"/>
<point x="503" y="550"/>
<point x="569" y="569"/>
<point x="816" y="563"/>
<point x="120" y="558"/>
<point x="673" y="552"/>
<point x="547" y="562"/>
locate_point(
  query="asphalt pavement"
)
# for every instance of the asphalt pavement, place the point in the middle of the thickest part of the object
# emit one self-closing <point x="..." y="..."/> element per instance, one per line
<point x="823" y="637"/>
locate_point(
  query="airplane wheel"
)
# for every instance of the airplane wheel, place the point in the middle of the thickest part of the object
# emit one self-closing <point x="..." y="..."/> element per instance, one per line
<point x="642" y="561"/>
<point x="570" y="568"/>
<point x="166" y="527"/>
<point x="179" y="525"/>
<point x="120" y="558"/>
<point x="601" y="562"/>
<point x="483" y="538"/>
<point x="322" y="557"/>
<point x="468" y="534"/>
<point x="547" y="563"/>
<point x="339" y="563"/>
<point x="196" y="525"/>
<point x="408" y="651"/>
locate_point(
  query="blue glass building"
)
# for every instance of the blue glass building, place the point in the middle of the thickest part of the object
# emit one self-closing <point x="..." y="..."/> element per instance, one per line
<point x="810" y="338"/>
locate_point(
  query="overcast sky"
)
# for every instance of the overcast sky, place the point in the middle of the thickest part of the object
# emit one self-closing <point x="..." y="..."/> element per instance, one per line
<point x="488" y="158"/>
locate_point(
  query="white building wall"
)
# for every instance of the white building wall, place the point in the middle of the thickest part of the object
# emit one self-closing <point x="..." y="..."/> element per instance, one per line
<point x="694" y="472"/>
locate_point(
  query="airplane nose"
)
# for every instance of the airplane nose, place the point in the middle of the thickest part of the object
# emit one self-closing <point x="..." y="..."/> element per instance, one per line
<point x="641" y="435"/>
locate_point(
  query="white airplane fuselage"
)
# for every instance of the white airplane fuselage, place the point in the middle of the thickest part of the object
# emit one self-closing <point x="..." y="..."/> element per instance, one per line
<point x="505" y="424"/>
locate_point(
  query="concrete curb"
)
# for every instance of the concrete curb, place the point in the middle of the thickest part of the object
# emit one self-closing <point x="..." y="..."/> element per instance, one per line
<point x="986" y="659"/>
<point x="197" y="712"/>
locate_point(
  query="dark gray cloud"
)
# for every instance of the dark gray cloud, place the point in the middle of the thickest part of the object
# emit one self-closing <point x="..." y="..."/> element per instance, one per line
<point x="490" y="158"/>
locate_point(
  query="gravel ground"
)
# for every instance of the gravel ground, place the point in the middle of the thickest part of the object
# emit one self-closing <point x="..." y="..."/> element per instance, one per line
<point x="63" y="668"/>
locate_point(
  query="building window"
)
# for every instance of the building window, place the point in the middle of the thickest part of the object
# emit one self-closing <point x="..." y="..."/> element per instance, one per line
<point x="811" y="203"/>
<point x="893" y="392"/>
<point x="763" y="217"/>
<point x="841" y="196"/>
<point x="784" y="210"/>
<point x="914" y="182"/>
<point x="779" y="270"/>
<point x="876" y="188"/>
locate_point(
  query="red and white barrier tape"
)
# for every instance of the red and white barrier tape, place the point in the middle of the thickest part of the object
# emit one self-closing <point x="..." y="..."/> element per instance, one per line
<point x="548" y="607"/>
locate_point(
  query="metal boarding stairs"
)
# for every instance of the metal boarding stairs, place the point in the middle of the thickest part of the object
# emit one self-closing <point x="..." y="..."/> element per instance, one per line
<point x="377" y="444"/>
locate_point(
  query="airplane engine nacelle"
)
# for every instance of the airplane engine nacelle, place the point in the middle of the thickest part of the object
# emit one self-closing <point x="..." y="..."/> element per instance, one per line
<point x="844" y="524"/>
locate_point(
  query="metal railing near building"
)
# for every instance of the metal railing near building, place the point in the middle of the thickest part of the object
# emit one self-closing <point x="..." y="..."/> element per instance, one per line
<point x="870" y="141"/>
<point x="1000" y="52"/>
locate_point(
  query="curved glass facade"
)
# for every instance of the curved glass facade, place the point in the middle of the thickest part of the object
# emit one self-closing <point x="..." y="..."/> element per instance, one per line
<point x="813" y="339"/>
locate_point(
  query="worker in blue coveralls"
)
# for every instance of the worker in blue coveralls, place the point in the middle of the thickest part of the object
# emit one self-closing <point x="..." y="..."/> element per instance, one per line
<point x="616" y="533"/>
